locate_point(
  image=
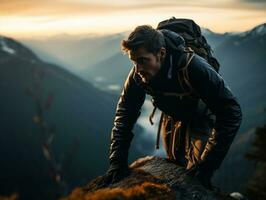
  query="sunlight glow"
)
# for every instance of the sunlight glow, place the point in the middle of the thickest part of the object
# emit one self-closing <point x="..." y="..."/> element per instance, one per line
<point x="217" y="19"/>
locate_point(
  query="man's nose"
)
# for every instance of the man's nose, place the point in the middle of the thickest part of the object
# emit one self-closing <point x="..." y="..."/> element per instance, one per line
<point x="138" y="68"/>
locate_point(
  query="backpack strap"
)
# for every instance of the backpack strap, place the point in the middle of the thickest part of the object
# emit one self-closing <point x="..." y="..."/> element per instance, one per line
<point x="182" y="76"/>
<point x="153" y="112"/>
<point x="183" y="73"/>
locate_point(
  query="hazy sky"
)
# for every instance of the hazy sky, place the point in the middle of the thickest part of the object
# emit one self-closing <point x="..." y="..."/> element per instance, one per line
<point x="26" y="18"/>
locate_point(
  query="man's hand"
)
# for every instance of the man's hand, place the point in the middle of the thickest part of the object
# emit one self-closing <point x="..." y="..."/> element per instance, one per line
<point x="115" y="174"/>
<point x="202" y="174"/>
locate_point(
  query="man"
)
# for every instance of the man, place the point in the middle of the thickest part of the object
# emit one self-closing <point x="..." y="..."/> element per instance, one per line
<point x="198" y="128"/>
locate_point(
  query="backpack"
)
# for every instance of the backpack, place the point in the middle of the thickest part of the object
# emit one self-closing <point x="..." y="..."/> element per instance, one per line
<point x="191" y="33"/>
<point x="195" y="42"/>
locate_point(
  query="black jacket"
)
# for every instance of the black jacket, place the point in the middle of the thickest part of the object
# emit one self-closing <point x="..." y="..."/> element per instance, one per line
<point x="211" y="89"/>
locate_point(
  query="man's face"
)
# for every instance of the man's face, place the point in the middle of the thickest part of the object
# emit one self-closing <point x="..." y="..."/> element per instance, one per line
<point x="146" y="63"/>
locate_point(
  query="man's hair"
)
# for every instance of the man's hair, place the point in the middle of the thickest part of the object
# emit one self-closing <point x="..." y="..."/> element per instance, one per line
<point x="144" y="36"/>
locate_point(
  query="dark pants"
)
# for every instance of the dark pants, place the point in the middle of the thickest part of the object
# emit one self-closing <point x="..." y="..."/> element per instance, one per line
<point x="184" y="142"/>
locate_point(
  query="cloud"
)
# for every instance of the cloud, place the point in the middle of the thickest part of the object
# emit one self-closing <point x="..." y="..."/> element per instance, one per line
<point x="256" y="3"/>
<point x="30" y="17"/>
<point x="80" y="8"/>
<point x="71" y="7"/>
<point x="48" y="7"/>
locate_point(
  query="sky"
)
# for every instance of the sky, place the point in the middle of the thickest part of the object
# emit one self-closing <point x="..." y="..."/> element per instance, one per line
<point x="34" y="18"/>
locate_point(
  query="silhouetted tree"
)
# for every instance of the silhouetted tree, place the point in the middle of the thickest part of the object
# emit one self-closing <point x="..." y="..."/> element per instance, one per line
<point x="256" y="188"/>
<point x="43" y="104"/>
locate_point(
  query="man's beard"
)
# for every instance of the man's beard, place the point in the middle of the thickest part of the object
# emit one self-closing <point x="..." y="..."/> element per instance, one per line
<point x="145" y="78"/>
<point x="153" y="76"/>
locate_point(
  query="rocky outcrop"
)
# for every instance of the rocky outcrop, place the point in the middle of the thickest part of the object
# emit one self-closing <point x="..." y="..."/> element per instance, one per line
<point x="151" y="178"/>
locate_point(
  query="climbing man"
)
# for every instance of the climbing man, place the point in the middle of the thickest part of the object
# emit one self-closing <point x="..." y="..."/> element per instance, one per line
<point x="200" y="115"/>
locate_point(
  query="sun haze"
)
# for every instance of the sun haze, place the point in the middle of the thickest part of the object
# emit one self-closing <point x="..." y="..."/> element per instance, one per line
<point x="28" y="18"/>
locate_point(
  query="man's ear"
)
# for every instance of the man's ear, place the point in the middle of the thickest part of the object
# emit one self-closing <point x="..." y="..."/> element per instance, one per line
<point x="163" y="52"/>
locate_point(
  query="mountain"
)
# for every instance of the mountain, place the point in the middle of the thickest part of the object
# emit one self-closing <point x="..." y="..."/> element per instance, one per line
<point x="110" y="73"/>
<point x="55" y="127"/>
<point x="242" y="65"/>
<point x="214" y="39"/>
<point x="259" y="30"/>
<point x="73" y="52"/>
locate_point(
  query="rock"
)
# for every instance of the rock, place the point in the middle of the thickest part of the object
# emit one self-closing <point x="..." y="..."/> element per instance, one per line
<point x="151" y="178"/>
<point x="238" y="196"/>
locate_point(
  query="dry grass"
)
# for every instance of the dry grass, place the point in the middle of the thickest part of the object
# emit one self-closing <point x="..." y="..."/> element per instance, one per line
<point x="12" y="197"/>
<point x="146" y="190"/>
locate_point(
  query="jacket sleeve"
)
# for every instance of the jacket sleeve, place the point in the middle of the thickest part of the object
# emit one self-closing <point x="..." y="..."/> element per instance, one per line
<point x="127" y="112"/>
<point x="217" y="95"/>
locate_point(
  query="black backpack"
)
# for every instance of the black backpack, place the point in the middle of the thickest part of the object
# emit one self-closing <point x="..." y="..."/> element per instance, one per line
<point x="191" y="33"/>
<point x="195" y="42"/>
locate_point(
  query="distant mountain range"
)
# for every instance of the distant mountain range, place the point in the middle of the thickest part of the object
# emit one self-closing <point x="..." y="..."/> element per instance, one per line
<point x="53" y="125"/>
<point x="75" y="53"/>
<point x="92" y="56"/>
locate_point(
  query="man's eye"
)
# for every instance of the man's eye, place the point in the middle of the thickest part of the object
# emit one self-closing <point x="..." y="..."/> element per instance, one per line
<point x="141" y="61"/>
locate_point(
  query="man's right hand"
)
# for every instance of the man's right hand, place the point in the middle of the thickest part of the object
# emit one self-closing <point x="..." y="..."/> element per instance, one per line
<point x="202" y="173"/>
<point x="115" y="174"/>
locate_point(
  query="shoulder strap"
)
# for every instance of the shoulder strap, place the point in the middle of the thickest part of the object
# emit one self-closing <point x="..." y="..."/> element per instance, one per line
<point x="183" y="73"/>
<point x="182" y="76"/>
